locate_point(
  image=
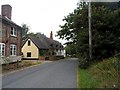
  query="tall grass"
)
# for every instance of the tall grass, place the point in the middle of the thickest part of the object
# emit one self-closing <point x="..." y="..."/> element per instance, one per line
<point x="86" y="80"/>
<point x="104" y="74"/>
<point x="107" y="72"/>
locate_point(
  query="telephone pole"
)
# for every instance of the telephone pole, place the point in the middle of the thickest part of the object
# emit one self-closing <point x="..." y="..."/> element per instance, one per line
<point x="90" y="32"/>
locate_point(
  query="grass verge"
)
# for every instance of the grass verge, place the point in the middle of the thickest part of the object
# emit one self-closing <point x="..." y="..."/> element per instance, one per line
<point x="86" y="80"/>
<point x="16" y="66"/>
<point x="104" y="74"/>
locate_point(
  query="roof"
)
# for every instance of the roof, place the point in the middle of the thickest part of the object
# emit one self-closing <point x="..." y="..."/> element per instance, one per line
<point x="5" y="19"/>
<point x="43" y="42"/>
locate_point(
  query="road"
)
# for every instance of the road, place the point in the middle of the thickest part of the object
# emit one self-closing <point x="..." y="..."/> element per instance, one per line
<point x="58" y="74"/>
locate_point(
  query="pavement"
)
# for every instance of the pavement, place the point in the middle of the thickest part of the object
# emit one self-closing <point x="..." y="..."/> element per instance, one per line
<point x="57" y="74"/>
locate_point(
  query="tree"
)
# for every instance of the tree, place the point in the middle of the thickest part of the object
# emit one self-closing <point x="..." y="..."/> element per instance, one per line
<point x="105" y="30"/>
<point x="25" y="30"/>
<point x="73" y="23"/>
<point x="70" y="50"/>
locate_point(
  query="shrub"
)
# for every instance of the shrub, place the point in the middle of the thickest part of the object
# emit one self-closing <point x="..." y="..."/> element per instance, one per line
<point x="83" y="62"/>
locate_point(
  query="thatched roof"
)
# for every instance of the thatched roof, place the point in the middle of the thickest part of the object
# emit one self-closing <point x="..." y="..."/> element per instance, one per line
<point x="43" y="42"/>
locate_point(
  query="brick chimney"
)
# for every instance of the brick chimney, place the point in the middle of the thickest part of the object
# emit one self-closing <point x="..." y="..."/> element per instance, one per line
<point x="6" y="11"/>
<point x="51" y="35"/>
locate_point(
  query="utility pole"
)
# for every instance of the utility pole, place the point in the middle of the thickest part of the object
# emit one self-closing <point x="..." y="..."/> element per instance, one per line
<point x="90" y="32"/>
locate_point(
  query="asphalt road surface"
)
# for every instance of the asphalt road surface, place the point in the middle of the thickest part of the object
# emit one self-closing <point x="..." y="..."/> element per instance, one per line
<point x="58" y="74"/>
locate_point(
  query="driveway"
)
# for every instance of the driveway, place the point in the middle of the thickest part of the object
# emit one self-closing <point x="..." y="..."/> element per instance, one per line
<point x="58" y="74"/>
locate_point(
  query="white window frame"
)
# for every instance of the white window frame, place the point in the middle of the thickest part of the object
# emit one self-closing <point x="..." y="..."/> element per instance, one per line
<point x="13" y="49"/>
<point x="14" y="30"/>
<point x="2" y="46"/>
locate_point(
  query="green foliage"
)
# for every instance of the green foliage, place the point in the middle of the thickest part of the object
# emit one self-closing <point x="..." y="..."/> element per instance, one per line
<point x="105" y="30"/>
<point x="86" y="80"/>
<point x="107" y="71"/>
<point x="25" y="29"/>
<point x="15" y="66"/>
<point x="104" y="74"/>
<point x="70" y="50"/>
<point x="73" y="23"/>
<point x="83" y="61"/>
<point x="29" y="63"/>
<point x="42" y="52"/>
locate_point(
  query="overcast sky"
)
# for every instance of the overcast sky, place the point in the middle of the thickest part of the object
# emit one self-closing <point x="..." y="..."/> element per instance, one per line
<point x="41" y="15"/>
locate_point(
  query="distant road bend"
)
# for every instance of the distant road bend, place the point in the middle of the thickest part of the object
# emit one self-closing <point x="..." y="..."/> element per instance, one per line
<point x="58" y="74"/>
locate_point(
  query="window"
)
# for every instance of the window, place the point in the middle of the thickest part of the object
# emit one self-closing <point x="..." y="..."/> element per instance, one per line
<point x="28" y="42"/>
<point x="51" y="45"/>
<point x="2" y="49"/>
<point x="13" y="50"/>
<point x="13" y="31"/>
<point x="28" y="54"/>
<point x="56" y="45"/>
<point x="52" y="53"/>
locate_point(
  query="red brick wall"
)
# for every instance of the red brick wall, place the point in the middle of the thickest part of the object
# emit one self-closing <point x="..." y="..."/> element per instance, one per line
<point x="6" y="10"/>
<point x="8" y="39"/>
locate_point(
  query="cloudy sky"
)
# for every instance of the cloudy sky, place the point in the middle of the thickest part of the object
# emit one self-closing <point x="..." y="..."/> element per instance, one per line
<point x="41" y="15"/>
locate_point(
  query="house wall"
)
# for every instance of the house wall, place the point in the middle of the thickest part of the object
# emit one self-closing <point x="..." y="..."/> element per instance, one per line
<point x="0" y="30"/>
<point x="32" y="48"/>
<point x="60" y="52"/>
<point x="8" y="39"/>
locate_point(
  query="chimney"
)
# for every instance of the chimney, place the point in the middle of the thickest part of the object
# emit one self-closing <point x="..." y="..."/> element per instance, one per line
<point x="51" y="35"/>
<point x="6" y="11"/>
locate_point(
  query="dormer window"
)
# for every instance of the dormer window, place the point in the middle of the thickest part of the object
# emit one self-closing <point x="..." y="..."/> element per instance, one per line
<point x="56" y="45"/>
<point x="13" y="31"/>
<point x="28" y="42"/>
<point x="51" y="45"/>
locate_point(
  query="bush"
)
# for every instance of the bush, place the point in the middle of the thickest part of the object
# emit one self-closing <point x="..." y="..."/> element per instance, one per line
<point x="83" y="63"/>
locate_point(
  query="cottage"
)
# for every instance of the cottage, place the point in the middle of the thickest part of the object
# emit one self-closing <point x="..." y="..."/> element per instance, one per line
<point x="41" y="47"/>
<point x="11" y="36"/>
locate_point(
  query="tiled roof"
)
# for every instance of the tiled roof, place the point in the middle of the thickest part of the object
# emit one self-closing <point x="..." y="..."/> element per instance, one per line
<point x="8" y="21"/>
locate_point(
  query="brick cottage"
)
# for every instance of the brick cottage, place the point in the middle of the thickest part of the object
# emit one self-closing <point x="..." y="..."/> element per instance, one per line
<point x="10" y="44"/>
